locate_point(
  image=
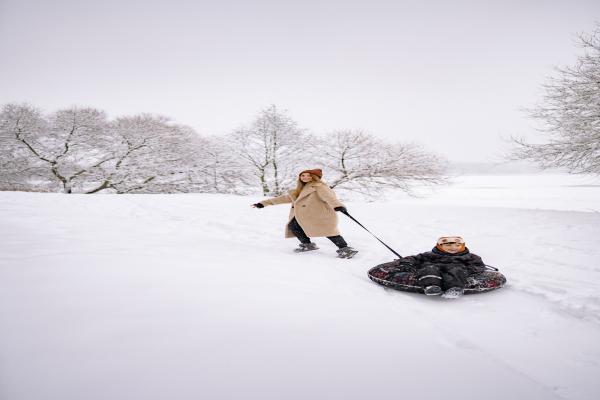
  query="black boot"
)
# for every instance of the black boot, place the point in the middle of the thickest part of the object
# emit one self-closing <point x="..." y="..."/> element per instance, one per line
<point x="346" y="252"/>
<point x="306" y="247"/>
<point x="432" y="290"/>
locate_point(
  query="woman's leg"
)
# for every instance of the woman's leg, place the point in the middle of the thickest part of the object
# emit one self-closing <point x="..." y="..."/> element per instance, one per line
<point x="343" y="251"/>
<point x="338" y="241"/>
<point x="298" y="231"/>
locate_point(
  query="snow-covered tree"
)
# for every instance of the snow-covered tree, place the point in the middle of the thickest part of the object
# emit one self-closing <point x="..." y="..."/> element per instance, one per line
<point x="569" y="115"/>
<point x="80" y="151"/>
<point x="359" y="162"/>
<point x="219" y="169"/>
<point x="67" y="145"/>
<point x="18" y="168"/>
<point x="150" y="155"/>
<point x="271" y="147"/>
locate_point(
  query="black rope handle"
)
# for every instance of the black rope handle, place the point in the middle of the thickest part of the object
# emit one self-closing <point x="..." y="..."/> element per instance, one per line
<point x="381" y="241"/>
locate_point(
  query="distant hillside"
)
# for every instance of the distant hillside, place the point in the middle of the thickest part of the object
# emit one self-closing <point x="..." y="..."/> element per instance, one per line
<point x="496" y="168"/>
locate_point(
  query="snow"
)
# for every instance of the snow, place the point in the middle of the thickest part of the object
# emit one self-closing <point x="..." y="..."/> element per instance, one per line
<point x="534" y="191"/>
<point x="200" y="297"/>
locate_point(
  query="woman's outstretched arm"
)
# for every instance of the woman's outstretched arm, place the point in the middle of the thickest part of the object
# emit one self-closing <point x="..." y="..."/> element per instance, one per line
<point x="284" y="198"/>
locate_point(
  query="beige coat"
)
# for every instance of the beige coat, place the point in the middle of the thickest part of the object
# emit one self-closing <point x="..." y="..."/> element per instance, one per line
<point x="313" y="209"/>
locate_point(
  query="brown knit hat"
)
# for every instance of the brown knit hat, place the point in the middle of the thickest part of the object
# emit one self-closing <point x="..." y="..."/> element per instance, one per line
<point x="317" y="171"/>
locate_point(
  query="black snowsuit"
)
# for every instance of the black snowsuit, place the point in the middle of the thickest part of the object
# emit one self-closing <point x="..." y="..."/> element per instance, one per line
<point x="444" y="269"/>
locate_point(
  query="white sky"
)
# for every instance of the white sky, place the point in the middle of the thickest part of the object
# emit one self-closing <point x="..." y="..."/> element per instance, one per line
<point x="452" y="76"/>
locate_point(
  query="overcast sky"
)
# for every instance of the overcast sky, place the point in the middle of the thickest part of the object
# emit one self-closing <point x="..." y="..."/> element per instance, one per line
<point x="451" y="75"/>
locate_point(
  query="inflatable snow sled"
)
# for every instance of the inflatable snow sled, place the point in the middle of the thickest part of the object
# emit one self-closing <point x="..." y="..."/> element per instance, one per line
<point x="403" y="278"/>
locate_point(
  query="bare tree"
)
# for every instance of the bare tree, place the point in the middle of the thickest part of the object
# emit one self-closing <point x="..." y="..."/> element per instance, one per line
<point x="80" y="151"/>
<point x="18" y="169"/>
<point x="569" y="115"/>
<point x="69" y="144"/>
<point x="150" y="154"/>
<point x="359" y="162"/>
<point x="271" y="146"/>
<point x="219" y="169"/>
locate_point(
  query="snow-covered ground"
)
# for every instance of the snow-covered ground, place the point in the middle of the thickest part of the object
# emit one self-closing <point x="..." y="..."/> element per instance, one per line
<point x="199" y="297"/>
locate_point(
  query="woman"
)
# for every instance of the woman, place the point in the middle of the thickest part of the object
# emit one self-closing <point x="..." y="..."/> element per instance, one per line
<point x="313" y="213"/>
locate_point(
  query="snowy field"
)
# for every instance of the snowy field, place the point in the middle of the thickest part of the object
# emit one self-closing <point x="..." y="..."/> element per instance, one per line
<point x="124" y="297"/>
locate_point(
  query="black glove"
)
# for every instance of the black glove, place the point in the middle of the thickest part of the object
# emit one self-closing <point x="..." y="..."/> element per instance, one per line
<point x="342" y="209"/>
<point x="259" y="205"/>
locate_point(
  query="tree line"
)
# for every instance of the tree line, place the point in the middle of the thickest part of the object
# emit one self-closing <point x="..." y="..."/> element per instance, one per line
<point x="80" y="150"/>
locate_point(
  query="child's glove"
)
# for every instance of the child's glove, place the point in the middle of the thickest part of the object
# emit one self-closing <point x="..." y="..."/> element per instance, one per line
<point x="404" y="261"/>
<point x="258" y="205"/>
<point x="406" y="264"/>
<point x="341" y="209"/>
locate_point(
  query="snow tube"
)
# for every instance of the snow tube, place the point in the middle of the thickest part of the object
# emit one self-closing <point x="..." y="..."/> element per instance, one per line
<point x="402" y="278"/>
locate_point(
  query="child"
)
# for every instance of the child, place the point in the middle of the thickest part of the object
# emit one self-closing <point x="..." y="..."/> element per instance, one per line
<point x="445" y="268"/>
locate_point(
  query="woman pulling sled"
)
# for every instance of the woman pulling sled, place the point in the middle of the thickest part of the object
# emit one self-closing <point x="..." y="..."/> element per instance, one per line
<point x="313" y="213"/>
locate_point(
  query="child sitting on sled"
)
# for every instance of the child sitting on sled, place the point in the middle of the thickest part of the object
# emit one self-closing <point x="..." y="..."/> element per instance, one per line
<point x="445" y="268"/>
